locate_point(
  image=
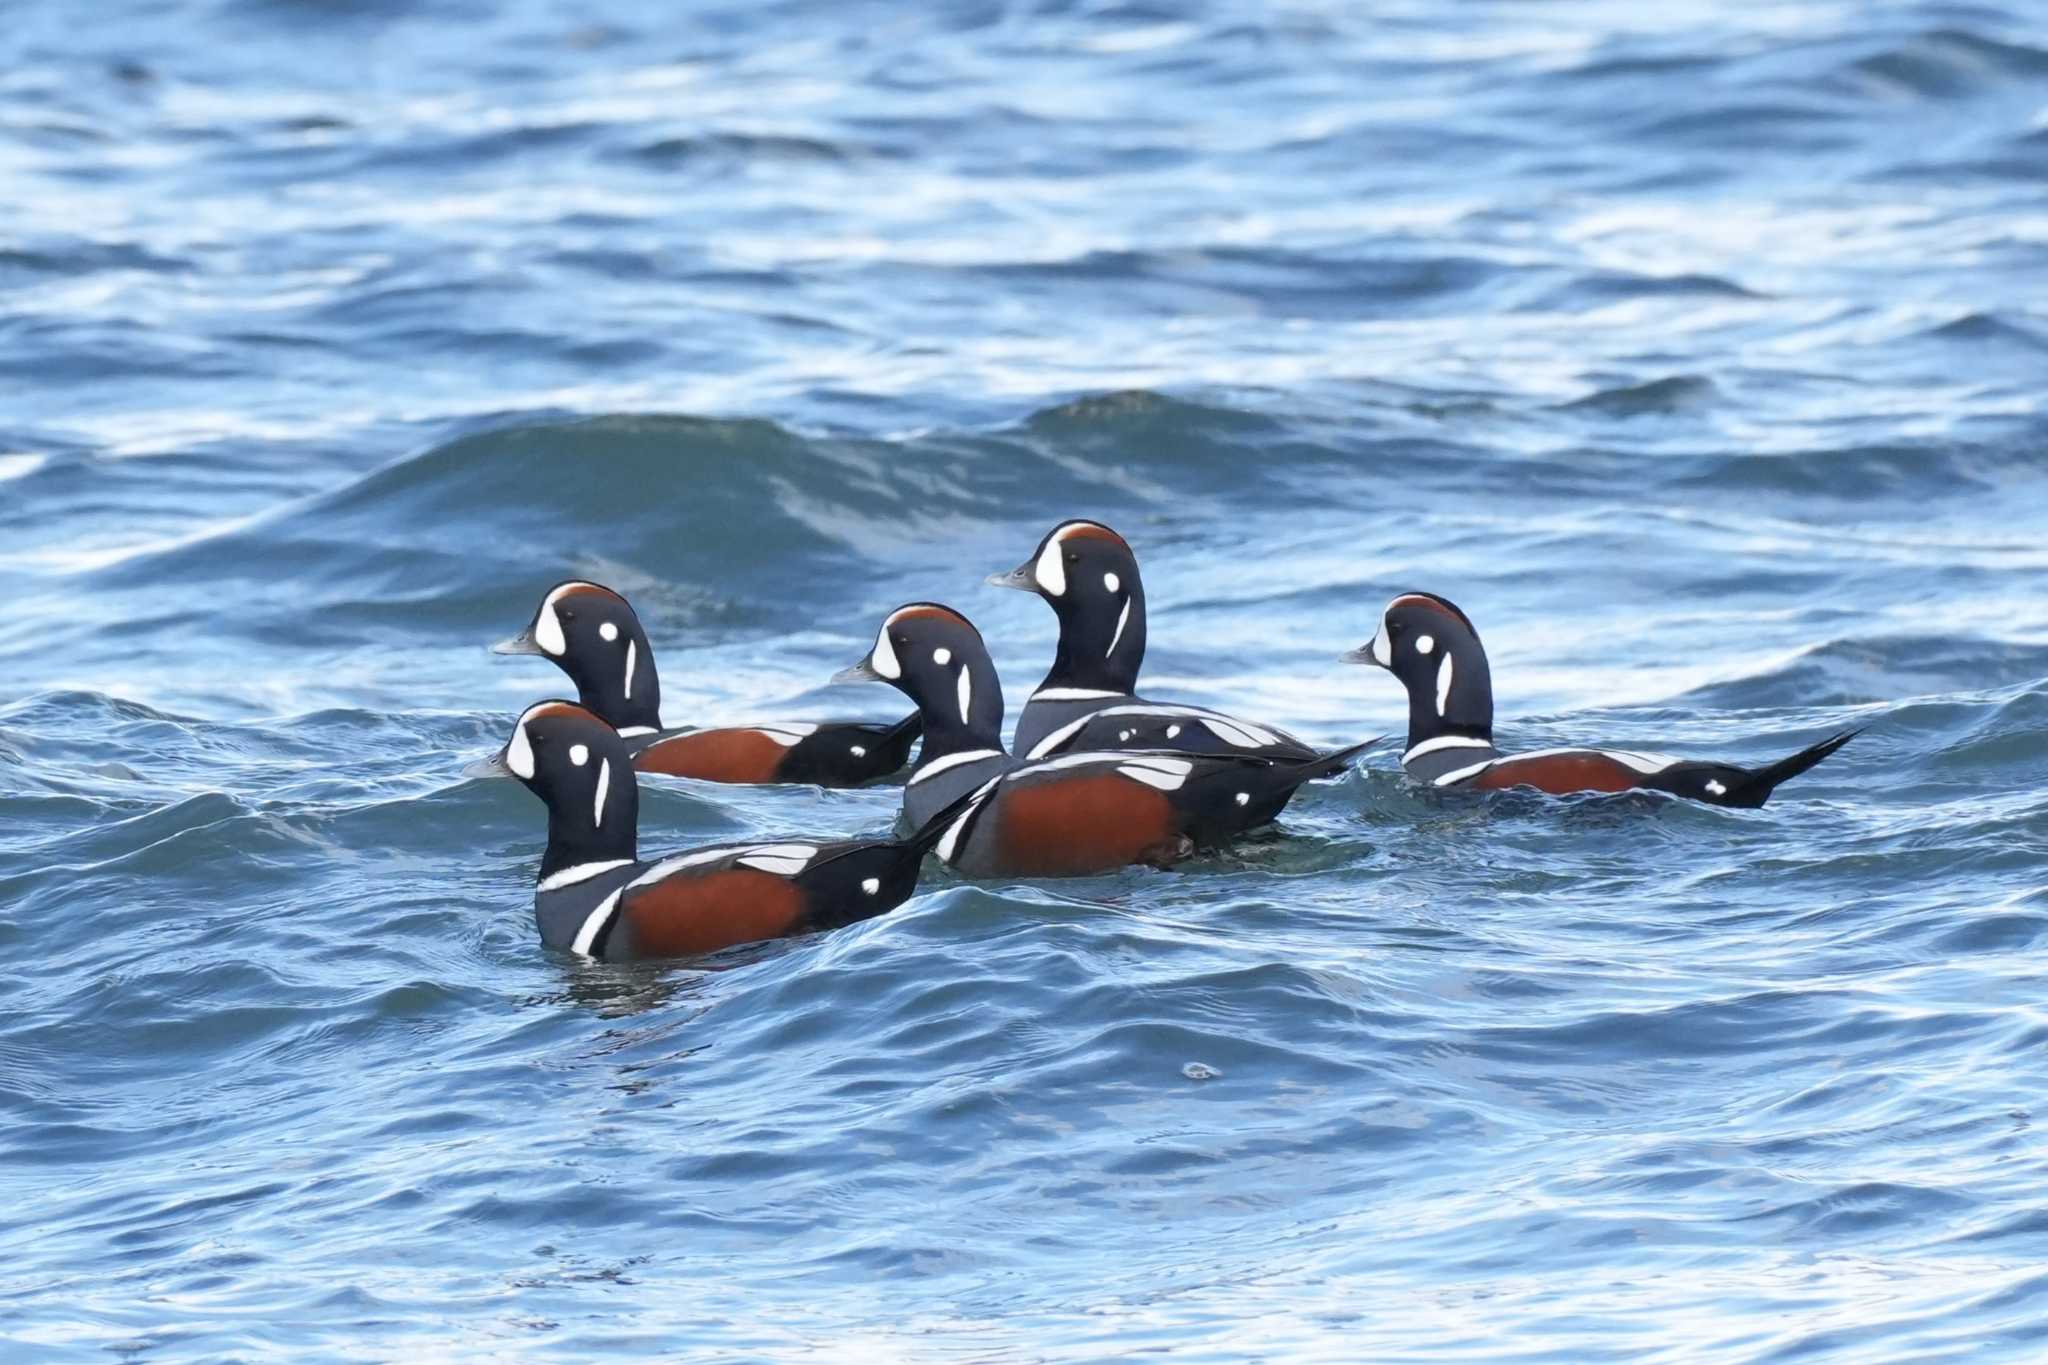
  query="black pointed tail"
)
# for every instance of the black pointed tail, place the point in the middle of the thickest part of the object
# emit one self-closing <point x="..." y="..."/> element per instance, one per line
<point x="1263" y="787"/>
<point x="1756" y="788"/>
<point x="893" y="749"/>
<point x="1336" y="761"/>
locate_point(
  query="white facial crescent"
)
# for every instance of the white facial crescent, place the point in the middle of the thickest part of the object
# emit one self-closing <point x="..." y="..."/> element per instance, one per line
<point x="519" y="754"/>
<point x="884" y="660"/>
<point x="547" y="631"/>
<point x="1051" y="570"/>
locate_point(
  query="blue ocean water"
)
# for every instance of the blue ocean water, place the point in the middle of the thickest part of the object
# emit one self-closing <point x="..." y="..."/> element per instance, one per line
<point x="1697" y="349"/>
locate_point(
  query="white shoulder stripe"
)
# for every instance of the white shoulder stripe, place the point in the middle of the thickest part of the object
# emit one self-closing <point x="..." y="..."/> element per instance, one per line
<point x="669" y="866"/>
<point x="582" y="872"/>
<point x="594" y="922"/>
<point x="1167" y="774"/>
<point x="784" y="860"/>
<point x="939" y="765"/>
<point x="1095" y="759"/>
<point x="949" y="843"/>
<point x="787" y="735"/>
<point x="1239" y="733"/>
<point x="1060" y="736"/>
<point x="1163" y="771"/>
<point x="1430" y="746"/>
<point x="1459" y="775"/>
<point x="1643" y="763"/>
<point x="1151" y="710"/>
<point x="1647" y="764"/>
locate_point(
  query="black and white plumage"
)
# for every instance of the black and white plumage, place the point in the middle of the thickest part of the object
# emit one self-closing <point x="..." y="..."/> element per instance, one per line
<point x="1070" y="813"/>
<point x="593" y="634"/>
<point x="1430" y="645"/>
<point x="1089" y="576"/>
<point x="597" y="898"/>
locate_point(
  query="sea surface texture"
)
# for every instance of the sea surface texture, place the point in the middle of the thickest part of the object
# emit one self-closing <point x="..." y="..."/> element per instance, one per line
<point x="1697" y="349"/>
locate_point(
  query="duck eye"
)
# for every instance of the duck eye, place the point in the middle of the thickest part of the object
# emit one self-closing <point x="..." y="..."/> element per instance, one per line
<point x="565" y="613"/>
<point x="1073" y="557"/>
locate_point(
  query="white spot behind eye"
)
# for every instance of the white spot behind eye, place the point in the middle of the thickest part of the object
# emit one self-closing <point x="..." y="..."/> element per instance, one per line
<point x="519" y="753"/>
<point x="942" y="656"/>
<point x="608" y="631"/>
<point x="1425" y="643"/>
<point x="1050" y="571"/>
<point x="883" y="660"/>
<point x="1112" y="582"/>
<point x="579" y="754"/>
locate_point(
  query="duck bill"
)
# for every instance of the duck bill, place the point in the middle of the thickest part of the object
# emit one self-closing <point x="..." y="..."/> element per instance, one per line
<point x="494" y="766"/>
<point x="1377" y="653"/>
<point x="864" y="671"/>
<point x="1021" y="578"/>
<point x="522" y="643"/>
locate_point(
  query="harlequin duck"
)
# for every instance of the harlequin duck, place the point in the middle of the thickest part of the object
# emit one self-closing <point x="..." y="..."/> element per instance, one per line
<point x="1089" y="577"/>
<point x="596" y="897"/>
<point x="1431" y="646"/>
<point x="1070" y="814"/>
<point x="595" y="637"/>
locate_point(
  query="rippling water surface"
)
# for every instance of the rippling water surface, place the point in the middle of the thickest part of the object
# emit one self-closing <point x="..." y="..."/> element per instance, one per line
<point x="1698" y="349"/>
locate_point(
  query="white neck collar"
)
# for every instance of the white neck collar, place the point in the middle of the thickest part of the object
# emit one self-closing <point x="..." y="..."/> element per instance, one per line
<point x="1430" y="746"/>
<point x="582" y="872"/>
